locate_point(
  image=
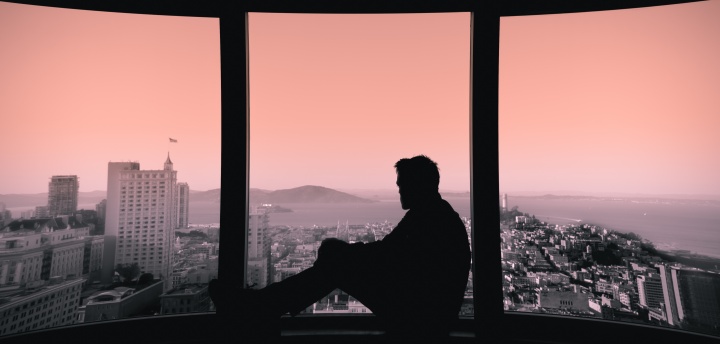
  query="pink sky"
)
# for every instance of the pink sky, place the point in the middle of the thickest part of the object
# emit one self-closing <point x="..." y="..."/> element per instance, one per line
<point x="617" y="101"/>
<point x="81" y="88"/>
<point x="336" y="100"/>
<point x="612" y="102"/>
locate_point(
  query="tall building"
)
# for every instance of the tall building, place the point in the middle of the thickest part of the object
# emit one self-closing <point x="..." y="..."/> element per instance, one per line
<point x="258" y="250"/>
<point x="41" y="211"/>
<point x="100" y="209"/>
<point x="697" y="296"/>
<point x="650" y="290"/>
<point x="5" y="215"/>
<point x="141" y="216"/>
<point x="63" y="195"/>
<point x="183" y="205"/>
<point x="670" y="304"/>
<point x="112" y="215"/>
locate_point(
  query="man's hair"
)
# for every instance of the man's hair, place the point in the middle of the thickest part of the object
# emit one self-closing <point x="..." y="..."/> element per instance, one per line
<point x="420" y="170"/>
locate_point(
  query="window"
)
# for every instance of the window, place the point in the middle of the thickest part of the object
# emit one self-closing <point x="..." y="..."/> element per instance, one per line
<point x="120" y="54"/>
<point x="480" y="87"/>
<point x="360" y="92"/>
<point x="618" y="107"/>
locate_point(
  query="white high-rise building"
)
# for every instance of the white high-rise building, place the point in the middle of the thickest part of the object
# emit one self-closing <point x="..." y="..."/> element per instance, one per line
<point x="141" y="217"/>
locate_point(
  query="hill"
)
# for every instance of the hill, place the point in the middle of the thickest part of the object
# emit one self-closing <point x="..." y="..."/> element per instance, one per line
<point x="33" y="200"/>
<point x="304" y="194"/>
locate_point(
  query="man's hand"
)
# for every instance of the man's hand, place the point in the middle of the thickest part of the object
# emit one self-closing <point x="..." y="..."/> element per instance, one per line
<point x="331" y="249"/>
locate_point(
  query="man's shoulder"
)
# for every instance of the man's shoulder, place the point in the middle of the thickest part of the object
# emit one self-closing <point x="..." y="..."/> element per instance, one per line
<point x="440" y="210"/>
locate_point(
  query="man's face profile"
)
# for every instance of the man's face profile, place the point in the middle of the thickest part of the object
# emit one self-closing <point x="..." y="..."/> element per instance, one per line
<point x="405" y="194"/>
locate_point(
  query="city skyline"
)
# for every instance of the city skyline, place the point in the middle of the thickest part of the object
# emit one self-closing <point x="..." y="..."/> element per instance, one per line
<point x="141" y="67"/>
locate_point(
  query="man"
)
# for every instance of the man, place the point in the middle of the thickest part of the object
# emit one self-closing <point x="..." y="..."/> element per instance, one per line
<point x="413" y="280"/>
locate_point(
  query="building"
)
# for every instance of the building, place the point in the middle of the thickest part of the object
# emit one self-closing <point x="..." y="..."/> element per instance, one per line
<point x="112" y="215"/>
<point x="185" y="298"/>
<point x="563" y="300"/>
<point x="42" y="271"/>
<point x="43" y="304"/>
<point x="27" y="214"/>
<point x="697" y="296"/>
<point x="93" y="256"/>
<point x="119" y="302"/>
<point x="650" y="291"/>
<point x="5" y="216"/>
<point x="259" y="272"/>
<point x="140" y="218"/>
<point x="183" y="205"/>
<point x="38" y="249"/>
<point x="63" y="195"/>
<point x="42" y="211"/>
<point x="100" y="209"/>
<point x="669" y="305"/>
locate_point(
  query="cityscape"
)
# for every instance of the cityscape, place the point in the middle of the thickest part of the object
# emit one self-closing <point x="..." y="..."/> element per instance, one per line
<point x="589" y="271"/>
<point x="137" y="254"/>
<point x="60" y="265"/>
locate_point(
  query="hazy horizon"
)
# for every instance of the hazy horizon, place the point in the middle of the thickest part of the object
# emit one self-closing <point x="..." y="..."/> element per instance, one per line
<point x="515" y="193"/>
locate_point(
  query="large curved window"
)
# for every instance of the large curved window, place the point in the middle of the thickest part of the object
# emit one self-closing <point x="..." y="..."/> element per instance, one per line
<point x="604" y="119"/>
<point x="110" y="189"/>
<point x="608" y="165"/>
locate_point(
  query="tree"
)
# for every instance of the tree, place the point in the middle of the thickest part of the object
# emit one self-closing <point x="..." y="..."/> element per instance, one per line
<point x="128" y="272"/>
<point x="146" y="278"/>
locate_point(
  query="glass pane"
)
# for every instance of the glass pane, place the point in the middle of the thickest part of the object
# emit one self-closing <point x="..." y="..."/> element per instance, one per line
<point x="335" y="101"/>
<point x="112" y="124"/>
<point x="609" y="163"/>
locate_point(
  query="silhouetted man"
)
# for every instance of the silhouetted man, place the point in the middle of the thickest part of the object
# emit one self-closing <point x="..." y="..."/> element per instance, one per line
<point x="413" y="280"/>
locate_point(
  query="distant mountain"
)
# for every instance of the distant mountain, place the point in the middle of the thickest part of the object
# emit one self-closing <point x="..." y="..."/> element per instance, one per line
<point x="304" y="194"/>
<point x="39" y="199"/>
<point x="205" y="196"/>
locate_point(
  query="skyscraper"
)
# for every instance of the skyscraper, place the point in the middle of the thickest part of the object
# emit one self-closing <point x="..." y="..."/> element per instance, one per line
<point x="183" y="205"/>
<point x="668" y="285"/>
<point x="112" y="215"/>
<point x="63" y="195"/>
<point x="258" y="250"/>
<point x="141" y="217"/>
<point x="697" y="294"/>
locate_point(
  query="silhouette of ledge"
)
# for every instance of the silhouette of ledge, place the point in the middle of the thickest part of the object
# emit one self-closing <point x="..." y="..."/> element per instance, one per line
<point x="210" y="328"/>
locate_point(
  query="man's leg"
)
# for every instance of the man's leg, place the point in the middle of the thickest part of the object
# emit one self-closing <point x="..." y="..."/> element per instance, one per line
<point x="291" y="295"/>
<point x="336" y="267"/>
<point x="295" y="293"/>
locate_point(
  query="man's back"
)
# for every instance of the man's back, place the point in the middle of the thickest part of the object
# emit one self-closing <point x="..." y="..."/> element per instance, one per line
<point x="426" y="262"/>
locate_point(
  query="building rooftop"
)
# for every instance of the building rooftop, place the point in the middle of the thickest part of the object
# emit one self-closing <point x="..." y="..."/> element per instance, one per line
<point x="9" y="296"/>
<point x="185" y="289"/>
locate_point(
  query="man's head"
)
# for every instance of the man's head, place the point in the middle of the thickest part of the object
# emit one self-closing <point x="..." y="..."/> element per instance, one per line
<point x="417" y="179"/>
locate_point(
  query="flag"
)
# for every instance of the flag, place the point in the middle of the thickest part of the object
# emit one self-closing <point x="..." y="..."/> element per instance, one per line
<point x="173" y="140"/>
